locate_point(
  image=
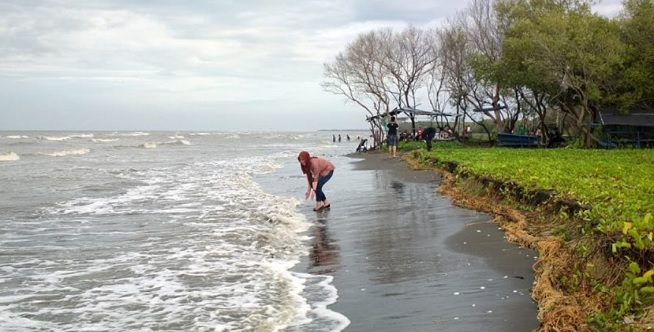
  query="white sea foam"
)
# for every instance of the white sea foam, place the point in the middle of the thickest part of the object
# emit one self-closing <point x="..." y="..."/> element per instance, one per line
<point x="54" y="138"/>
<point x="65" y="138"/>
<point x="190" y="244"/>
<point x="17" y="136"/>
<point x="177" y="142"/>
<point x="105" y="140"/>
<point x="73" y="152"/>
<point x="318" y="293"/>
<point x="9" y="156"/>
<point x="133" y="134"/>
<point x="149" y="145"/>
<point x="82" y="135"/>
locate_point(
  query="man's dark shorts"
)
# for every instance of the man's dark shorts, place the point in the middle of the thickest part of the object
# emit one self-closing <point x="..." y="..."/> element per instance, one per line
<point x="392" y="140"/>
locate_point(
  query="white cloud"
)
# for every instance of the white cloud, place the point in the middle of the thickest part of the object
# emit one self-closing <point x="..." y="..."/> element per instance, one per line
<point x="608" y="8"/>
<point x="140" y="64"/>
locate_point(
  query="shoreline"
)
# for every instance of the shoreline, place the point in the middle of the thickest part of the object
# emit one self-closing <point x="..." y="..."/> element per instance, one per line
<point x="404" y="258"/>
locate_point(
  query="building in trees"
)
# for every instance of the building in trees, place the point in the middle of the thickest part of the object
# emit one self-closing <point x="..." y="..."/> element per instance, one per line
<point x="627" y="129"/>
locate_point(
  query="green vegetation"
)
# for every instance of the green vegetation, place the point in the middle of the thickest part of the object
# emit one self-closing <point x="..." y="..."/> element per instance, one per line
<point x="611" y="234"/>
<point x="437" y="145"/>
<point x="618" y="184"/>
<point x="506" y="65"/>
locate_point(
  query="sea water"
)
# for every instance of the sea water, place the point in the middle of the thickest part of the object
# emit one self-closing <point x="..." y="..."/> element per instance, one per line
<point x="145" y="231"/>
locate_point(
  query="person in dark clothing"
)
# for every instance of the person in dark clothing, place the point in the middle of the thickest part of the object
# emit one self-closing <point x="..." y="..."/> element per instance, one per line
<point x="556" y="139"/>
<point x="392" y="137"/>
<point x="428" y="135"/>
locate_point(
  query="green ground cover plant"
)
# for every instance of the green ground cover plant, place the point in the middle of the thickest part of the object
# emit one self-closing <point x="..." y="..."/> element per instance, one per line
<point x="616" y="187"/>
<point x="618" y="184"/>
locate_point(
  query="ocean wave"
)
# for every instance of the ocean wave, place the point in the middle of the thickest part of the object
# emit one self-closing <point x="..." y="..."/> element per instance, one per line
<point x="132" y="134"/>
<point x="16" y="136"/>
<point x="54" y="138"/>
<point x="177" y="142"/>
<point x="82" y="136"/>
<point x="65" y="138"/>
<point x="154" y="145"/>
<point x="317" y="293"/>
<point x="74" y="152"/>
<point x="104" y="140"/>
<point x="141" y="210"/>
<point x="9" y="156"/>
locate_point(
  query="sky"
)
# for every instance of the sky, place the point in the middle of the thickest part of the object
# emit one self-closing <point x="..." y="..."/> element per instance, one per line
<point x="197" y="65"/>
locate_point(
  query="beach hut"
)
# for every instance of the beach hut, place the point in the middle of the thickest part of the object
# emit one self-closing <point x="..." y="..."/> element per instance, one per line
<point x="627" y="129"/>
<point x="410" y="112"/>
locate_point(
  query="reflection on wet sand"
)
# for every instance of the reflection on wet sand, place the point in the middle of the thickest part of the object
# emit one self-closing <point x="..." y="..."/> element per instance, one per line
<point x="324" y="256"/>
<point x="409" y="260"/>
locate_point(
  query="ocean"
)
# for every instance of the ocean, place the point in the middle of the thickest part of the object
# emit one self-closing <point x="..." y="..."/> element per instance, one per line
<point x="150" y="231"/>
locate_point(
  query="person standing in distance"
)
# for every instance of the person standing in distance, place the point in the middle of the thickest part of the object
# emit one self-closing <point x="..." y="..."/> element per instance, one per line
<point x="392" y="137"/>
<point x="318" y="171"/>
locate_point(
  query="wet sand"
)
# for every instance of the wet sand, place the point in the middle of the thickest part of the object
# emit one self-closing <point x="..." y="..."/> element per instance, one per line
<point x="404" y="258"/>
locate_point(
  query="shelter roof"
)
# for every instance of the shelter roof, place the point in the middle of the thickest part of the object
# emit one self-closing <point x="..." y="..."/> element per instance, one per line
<point x="488" y="109"/>
<point x="409" y="111"/>
<point x="636" y="118"/>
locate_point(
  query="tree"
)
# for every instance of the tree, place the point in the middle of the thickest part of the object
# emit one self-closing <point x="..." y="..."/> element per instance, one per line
<point x="457" y="76"/>
<point x="358" y="74"/>
<point x="634" y="88"/>
<point x="436" y="77"/>
<point x="574" y="50"/>
<point x="486" y="36"/>
<point x="380" y="67"/>
<point x="409" y="60"/>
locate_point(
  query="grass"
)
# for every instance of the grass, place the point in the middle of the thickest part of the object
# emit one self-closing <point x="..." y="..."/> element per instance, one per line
<point x="618" y="184"/>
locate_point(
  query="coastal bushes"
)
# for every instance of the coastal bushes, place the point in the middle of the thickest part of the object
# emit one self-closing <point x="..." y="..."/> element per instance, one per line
<point x="597" y="203"/>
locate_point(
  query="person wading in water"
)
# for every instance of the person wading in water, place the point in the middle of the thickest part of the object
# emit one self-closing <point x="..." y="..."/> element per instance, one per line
<point x="318" y="171"/>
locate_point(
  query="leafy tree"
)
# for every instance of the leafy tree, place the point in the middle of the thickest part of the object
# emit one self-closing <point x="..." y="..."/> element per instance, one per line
<point x="486" y="90"/>
<point x="634" y="86"/>
<point x="567" y="53"/>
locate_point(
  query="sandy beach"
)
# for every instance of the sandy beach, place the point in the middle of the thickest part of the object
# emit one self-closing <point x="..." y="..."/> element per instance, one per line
<point x="404" y="258"/>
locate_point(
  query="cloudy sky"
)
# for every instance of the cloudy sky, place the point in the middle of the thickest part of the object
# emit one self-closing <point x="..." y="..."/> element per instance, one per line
<point x="188" y="65"/>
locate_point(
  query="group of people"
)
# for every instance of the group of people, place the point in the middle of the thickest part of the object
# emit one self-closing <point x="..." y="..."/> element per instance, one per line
<point x="427" y="134"/>
<point x="319" y="170"/>
<point x="339" y="138"/>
